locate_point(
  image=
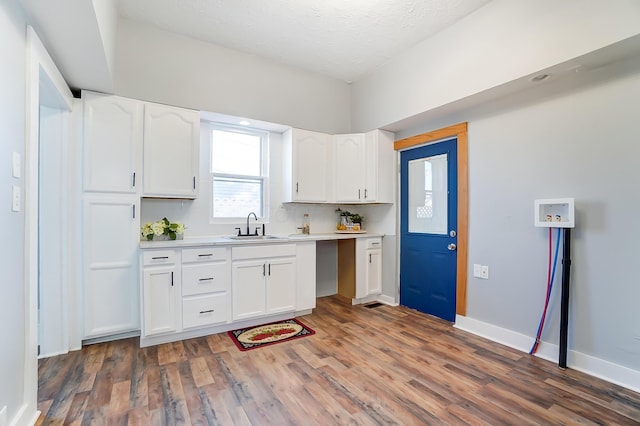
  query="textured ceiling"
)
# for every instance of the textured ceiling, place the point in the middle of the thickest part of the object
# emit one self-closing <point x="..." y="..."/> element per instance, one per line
<point x="339" y="38"/>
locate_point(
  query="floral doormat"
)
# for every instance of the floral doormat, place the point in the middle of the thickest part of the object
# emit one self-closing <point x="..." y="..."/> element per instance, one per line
<point x="269" y="334"/>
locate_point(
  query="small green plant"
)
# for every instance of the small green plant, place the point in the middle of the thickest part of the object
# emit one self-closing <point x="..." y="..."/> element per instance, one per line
<point x="162" y="227"/>
<point x="356" y="218"/>
<point x="350" y="217"/>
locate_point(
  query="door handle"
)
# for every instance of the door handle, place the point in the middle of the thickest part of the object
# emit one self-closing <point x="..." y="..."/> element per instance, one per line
<point x="452" y="247"/>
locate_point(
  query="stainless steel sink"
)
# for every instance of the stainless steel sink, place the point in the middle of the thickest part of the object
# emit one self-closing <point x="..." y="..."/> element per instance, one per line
<point x="253" y="237"/>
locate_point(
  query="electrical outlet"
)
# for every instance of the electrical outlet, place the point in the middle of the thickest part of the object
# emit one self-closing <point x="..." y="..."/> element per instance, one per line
<point x="484" y="272"/>
<point x="477" y="270"/>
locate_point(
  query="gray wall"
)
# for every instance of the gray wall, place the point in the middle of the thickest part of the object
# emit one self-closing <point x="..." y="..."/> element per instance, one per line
<point x="580" y="142"/>
<point x="12" y="122"/>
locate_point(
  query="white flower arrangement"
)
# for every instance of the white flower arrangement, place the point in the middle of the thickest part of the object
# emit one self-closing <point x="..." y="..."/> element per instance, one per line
<point x="163" y="227"/>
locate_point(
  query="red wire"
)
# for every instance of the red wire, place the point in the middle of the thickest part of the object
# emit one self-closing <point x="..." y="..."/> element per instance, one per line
<point x="546" y="303"/>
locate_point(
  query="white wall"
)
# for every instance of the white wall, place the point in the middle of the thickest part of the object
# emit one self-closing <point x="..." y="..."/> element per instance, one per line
<point x="106" y="15"/>
<point x="159" y="66"/>
<point x="499" y="43"/>
<point x="12" y="125"/>
<point x="52" y="260"/>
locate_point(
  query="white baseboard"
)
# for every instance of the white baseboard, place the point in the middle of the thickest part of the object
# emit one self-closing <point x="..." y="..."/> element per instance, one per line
<point x="24" y="416"/>
<point x="387" y="300"/>
<point x="597" y="367"/>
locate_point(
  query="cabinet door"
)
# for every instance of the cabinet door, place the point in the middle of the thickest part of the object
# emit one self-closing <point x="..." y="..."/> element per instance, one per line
<point x="112" y="143"/>
<point x="310" y="165"/>
<point x="381" y="167"/>
<point x="160" y="300"/>
<point x="248" y="288"/>
<point x="281" y="285"/>
<point x="350" y="159"/>
<point x="110" y="271"/>
<point x="171" y="140"/>
<point x="374" y="271"/>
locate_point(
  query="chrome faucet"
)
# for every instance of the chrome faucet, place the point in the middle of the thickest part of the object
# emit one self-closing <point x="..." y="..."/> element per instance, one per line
<point x="248" y="216"/>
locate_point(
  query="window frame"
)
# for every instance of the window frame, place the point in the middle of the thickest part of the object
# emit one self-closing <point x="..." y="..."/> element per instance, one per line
<point x="263" y="177"/>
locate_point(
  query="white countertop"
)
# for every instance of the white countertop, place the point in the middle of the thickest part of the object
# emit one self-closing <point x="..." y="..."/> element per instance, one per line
<point x="274" y="239"/>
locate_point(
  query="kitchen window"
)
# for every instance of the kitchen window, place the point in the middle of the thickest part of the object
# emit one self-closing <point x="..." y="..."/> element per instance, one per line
<point x="239" y="171"/>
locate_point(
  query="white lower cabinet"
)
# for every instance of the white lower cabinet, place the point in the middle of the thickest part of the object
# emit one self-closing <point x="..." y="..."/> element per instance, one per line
<point x="263" y="280"/>
<point x="374" y="271"/>
<point x="194" y="291"/>
<point x="161" y="290"/>
<point x="205" y="286"/>
<point x="368" y="266"/>
<point x="208" y="309"/>
<point x="281" y="285"/>
<point x="110" y="267"/>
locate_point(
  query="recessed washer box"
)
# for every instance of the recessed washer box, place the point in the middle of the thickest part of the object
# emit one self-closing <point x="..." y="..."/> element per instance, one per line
<point x="555" y="213"/>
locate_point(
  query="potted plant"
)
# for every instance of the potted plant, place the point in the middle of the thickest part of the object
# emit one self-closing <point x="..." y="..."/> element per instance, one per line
<point x="356" y="220"/>
<point x="162" y="230"/>
<point x="349" y="221"/>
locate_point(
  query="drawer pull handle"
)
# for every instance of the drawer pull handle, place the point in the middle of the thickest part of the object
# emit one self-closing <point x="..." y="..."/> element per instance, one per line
<point x="206" y="279"/>
<point x="375" y="244"/>
<point x="205" y="255"/>
<point x="160" y="257"/>
<point x="207" y="311"/>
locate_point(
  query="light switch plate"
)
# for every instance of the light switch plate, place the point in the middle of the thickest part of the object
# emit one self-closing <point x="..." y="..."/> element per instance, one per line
<point x="15" y="195"/>
<point x="16" y="169"/>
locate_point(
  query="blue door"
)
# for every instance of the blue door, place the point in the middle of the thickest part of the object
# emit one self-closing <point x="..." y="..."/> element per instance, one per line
<point x="429" y="214"/>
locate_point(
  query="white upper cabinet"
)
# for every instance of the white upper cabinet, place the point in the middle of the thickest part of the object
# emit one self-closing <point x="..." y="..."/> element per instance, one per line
<point x="112" y="143"/>
<point x="171" y="141"/>
<point x="364" y="168"/>
<point x="307" y="176"/>
<point x="350" y="163"/>
<point x="381" y="175"/>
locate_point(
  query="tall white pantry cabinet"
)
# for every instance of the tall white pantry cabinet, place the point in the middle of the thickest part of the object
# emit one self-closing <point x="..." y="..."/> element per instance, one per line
<point x="112" y="136"/>
<point x="127" y="144"/>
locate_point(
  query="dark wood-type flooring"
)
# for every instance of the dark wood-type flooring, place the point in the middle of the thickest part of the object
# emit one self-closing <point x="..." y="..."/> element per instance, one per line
<point x="384" y="365"/>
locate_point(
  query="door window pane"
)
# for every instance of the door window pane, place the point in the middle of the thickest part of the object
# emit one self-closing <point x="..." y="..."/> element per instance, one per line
<point x="428" y="189"/>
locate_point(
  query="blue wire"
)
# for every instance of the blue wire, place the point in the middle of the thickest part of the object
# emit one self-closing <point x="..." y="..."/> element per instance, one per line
<point x="555" y="262"/>
<point x="553" y="273"/>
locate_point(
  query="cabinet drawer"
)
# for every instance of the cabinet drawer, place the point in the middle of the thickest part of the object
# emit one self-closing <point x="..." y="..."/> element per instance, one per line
<point x="199" y="311"/>
<point x="256" y="252"/>
<point x="206" y="278"/>
<point x="159" y="257"/>
<point x="374" y="243"/>
<point x="204" y="254"/>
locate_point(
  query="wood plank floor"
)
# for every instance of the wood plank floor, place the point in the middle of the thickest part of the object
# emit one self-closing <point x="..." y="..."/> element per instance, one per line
<point x="384" y="365"/>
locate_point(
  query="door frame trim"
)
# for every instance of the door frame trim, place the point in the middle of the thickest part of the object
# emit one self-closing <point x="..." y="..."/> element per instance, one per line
<point x="458" y="131"/>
